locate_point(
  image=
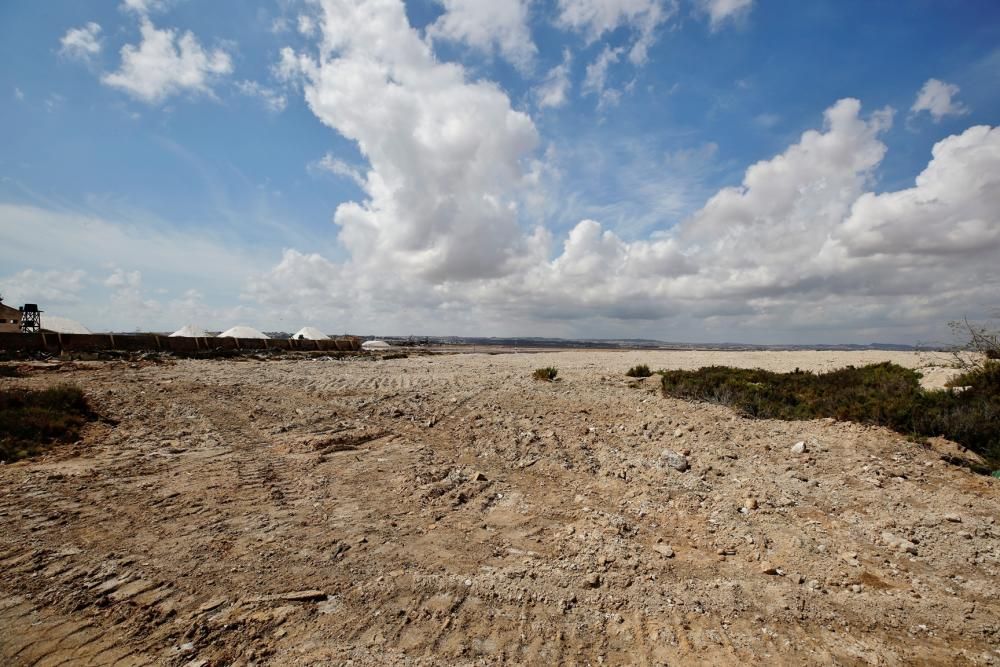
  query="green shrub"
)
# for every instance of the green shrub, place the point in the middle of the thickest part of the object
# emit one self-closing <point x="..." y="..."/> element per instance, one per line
<point x="547" y="374"/>
<point x="640" y="371"/>
<point x="883" y="394"/>
<point x="31" y="421"/>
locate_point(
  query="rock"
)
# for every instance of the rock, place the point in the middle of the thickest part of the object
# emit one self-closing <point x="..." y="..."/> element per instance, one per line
<point x="678" y="433"/>
<point x="768" y="568"/>
<point x="750" y="503"/>
<point x="899" y="544"/>
<point x="592" y="580"/>
<point x="676" y="461"/>
<point x="954" y="518"/>
<point x="664" y="550"/>
<point x="851" y="558"/>
<point x="302" y="596"/>
<point x="857" y="588"/>
<point x="799" y="448"/>
<point x="479" y="477"/>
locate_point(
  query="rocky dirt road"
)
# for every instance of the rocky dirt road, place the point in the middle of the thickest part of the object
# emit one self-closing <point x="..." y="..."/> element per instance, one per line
<point x="451" y="510"/>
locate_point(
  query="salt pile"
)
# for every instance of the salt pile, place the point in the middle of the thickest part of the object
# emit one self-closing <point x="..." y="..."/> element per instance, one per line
<point x="310" y="333"/>
<point x="189" y="331"/>
<point x="63" y="325"/>
<point x="242" y="332"/>
<point x="374" y="345"/>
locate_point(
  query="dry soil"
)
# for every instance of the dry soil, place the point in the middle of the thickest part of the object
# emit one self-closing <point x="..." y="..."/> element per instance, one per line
<point x="452" y="510"/>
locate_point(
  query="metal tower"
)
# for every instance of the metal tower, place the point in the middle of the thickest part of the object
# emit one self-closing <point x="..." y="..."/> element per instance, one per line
<point x="31" y="318"/>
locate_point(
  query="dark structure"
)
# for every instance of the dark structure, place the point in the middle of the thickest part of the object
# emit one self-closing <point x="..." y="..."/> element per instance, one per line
<point x="10" y="318"/>
<point x="31" y="318"/>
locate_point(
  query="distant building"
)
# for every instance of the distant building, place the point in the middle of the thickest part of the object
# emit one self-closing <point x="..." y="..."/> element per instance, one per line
<point x="10" y="318"/>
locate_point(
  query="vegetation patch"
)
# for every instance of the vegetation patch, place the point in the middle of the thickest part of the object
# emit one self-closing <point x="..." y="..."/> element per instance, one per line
<point x="547" y="374"/>
<point x="640" y="371"/>
<point x="882" y="394"/>
<point x="32" y="421"/>
<point x="9" y="371"/>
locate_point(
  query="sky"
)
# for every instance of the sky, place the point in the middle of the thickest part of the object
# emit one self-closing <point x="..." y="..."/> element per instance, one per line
<point x="760" y="171"/>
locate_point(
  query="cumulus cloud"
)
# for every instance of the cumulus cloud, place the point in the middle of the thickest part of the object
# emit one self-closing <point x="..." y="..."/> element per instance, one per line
<point x="553" y="91"/>
<point x="488" y="26"/>
<point x="721" y="11"/>
<point x="166" y="64"/>
<point x="446" y="153"/>
<point x="81" y="43"/>
<point x="595" y="18"/>
<point x="937" y="98"/>
<point x="802" y="238"/>
<point x="951" y="211"/>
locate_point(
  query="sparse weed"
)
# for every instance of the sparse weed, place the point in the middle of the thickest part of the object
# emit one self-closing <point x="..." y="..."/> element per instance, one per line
<point x="31" y="421"/>
<point x="640" y="371"/>
<point x="547" y="374"/>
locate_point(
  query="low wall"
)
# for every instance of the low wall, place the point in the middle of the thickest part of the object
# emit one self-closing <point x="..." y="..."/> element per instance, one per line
<point x="54" y="343"/>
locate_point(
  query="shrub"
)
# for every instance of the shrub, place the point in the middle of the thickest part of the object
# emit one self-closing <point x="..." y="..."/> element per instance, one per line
<point x="640" y="371"/>
<point x="31" y="421"/>
<point x="395" y="355"/>
<point x="9" y="372"/>
<point x="883" y="394"/>
<point x="547" y="374"/>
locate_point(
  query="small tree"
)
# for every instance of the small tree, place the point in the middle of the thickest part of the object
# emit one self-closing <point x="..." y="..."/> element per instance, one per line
<point x="977" y="344"/>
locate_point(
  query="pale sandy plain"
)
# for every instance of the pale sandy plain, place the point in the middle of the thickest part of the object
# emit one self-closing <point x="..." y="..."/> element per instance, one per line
<point x="451" y="510"/>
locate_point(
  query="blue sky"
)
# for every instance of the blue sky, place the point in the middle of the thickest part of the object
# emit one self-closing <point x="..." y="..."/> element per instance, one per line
<point x="716" y="170"/>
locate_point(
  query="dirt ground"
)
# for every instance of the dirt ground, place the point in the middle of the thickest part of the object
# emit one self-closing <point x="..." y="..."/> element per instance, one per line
<point x="452" y="510"/>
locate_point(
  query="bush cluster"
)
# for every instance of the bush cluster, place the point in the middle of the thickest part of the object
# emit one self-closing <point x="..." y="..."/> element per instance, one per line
<point x="31" y="421"/>
<point x="640" y="371"/>
<point x="548" y="374"/>
<point x="883" y="394"/>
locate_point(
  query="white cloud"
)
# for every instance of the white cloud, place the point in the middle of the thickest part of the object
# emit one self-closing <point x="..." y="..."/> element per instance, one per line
<point x="951" y="211"/>
<point x="142" y="7"/>
<point x="81" y="43"/>
<point x="801" y="241"/>
<point x="721" y="11"/>
<point x="18" y="94"/>
<point x="307" y="25"/>
<point x="595" y="18"/>
<point x="446" y="154"/>
<point x="489" y="26"/>
<point x="273" y="101"/>
<point x="338" y="167"/>
<point x="936" y="98"/>
<point x="43" y="287"/>
<point x="166" y="64"/>
<point x="595" y="82"/>
<point x="553" y="91"/>
<point x="123" y="279"/>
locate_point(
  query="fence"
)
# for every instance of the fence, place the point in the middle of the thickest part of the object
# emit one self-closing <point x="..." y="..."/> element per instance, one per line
<point x="56" y="343"/>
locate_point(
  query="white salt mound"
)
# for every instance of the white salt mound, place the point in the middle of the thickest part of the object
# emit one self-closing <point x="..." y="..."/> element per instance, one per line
<point x="310" y="333"/>
<point x="374" y="345"/>
<point x="63" y="325"/>
<point x="189" y="331"/>
<point x="242" y="332"/>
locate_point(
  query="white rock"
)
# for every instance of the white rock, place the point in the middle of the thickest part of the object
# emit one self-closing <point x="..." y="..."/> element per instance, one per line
<point x="676" y="461"/>
<point x="799" y="448"/>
